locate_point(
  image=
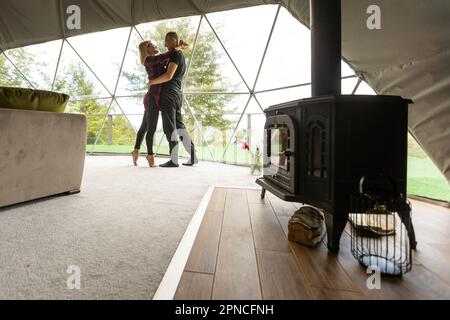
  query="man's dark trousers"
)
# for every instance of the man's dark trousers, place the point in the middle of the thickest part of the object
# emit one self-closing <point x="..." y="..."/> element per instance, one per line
<point x="173" y="126"/>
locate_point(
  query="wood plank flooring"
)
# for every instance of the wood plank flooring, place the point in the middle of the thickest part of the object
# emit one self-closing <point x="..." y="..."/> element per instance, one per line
<point x="242" y="252"/>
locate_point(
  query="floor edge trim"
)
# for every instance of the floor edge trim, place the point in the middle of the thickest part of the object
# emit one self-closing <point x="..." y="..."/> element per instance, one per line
<point x="169" y="284"/>
<point x="236" y="187"/>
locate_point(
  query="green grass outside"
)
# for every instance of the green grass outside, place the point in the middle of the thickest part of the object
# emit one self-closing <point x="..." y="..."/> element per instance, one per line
<point x="424" y="179"/>
<point x="234" y="155"/>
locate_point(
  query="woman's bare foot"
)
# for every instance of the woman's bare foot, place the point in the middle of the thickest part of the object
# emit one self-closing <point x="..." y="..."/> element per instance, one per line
<point x="135" y="155"/>
<point x="151" y="161"/>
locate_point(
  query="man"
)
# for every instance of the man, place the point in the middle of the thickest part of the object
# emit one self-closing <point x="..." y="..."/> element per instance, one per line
<point x="171" y="101"/>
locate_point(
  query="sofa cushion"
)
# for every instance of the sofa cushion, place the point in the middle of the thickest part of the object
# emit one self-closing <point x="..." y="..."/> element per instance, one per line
<point x="29" y="99"/>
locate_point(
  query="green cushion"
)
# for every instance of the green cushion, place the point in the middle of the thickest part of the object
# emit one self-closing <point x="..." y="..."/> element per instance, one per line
<point x="29" y="99"/>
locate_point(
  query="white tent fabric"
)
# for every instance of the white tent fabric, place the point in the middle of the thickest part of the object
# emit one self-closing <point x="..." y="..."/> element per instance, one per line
<point x="409" y="56"/>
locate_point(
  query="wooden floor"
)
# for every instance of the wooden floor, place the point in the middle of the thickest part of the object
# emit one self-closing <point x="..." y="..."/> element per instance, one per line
<point x="242" y="252"/>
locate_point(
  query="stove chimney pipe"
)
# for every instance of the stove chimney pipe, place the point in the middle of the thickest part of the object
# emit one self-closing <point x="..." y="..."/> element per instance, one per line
<point x="325" y="24"/>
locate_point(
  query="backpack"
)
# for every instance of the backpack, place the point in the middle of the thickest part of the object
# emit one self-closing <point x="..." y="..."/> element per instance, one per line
<point x="306" y="226"/>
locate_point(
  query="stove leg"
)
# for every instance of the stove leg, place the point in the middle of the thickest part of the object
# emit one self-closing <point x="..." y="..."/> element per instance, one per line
<point x="335" y="224"/>
<point x="263" y="193"/>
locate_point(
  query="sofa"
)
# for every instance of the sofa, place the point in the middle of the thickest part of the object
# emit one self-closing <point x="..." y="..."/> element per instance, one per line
<point x="41" y="152"/>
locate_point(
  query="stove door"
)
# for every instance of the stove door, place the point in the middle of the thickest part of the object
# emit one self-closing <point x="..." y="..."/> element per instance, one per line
<point x="279" y="152"/>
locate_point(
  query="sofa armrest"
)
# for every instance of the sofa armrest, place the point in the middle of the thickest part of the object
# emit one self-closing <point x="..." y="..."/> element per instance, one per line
<point x="41" y="154"/>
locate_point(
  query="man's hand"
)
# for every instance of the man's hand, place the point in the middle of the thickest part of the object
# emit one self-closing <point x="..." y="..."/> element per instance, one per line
<point x="183" y="44"/>
<point x="149" y="84"/>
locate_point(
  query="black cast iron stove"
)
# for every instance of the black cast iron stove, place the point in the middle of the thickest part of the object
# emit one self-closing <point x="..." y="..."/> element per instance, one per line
<point x="316" y="150"/>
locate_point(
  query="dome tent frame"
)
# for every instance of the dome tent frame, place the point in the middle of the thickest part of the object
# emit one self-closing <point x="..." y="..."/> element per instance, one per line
<point x="409" y="56"/>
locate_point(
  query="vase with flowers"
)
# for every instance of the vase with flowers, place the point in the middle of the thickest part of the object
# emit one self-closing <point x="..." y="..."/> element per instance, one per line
<point x="255" y="164"/>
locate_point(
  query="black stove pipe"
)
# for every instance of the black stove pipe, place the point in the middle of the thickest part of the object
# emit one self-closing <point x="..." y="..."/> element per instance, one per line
<point x="325" y="24"/>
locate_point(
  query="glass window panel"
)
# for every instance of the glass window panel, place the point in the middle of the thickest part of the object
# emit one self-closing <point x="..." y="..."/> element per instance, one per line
<point x="347" y="85"/>
<point x="10" y="76"/>
<point x="346" y="70"/>
<point x="246" y="48"/>
<point x="117" y="134"/>
<point x="133" y="77"/>
<point x="253" y="107"/>
<point x="217" y="115"/>
<point x="364" y="88"/>
<point x="132" y="105"/>
<point x="271" y="98"/>
<point x="210" y="109"/>
<point x="95" y="111"/>
<point x="248" y="136"/>
<point x="37" y="62"/>
<point x="74" y="77"/>
<point x="211" y="69"/>
<point x="424" y="178"/>
<point x="103" y="53"/>
<point x="234" y="154"/>
<point x="256" y="120"/>
<point x="288" y="59"/>
<point x="89" y="106"/>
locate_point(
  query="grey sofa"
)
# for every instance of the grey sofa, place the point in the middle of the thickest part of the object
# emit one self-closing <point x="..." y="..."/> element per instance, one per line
<point x="41" y="154"/>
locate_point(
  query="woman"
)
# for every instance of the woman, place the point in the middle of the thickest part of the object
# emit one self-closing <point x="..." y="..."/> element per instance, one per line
<point x="155" y="65"/>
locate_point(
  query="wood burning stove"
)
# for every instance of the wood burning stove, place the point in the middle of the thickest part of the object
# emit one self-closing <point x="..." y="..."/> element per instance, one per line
<point x="317" y="150"/>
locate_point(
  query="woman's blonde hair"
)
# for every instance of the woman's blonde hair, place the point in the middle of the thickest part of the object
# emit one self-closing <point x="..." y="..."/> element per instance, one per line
<point x="143" y="51"/>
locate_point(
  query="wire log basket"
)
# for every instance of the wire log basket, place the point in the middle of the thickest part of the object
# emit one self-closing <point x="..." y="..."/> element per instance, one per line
<point x="382" y="234"/>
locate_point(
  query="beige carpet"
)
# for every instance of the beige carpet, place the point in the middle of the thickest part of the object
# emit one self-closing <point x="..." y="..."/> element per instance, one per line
<point x="121" y="230"/>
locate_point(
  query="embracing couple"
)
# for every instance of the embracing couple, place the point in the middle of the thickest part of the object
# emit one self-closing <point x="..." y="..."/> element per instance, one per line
<point x="165" y="74"/>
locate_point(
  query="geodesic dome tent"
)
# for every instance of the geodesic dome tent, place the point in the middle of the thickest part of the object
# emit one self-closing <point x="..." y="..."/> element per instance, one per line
<point x="408" y="56"/>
